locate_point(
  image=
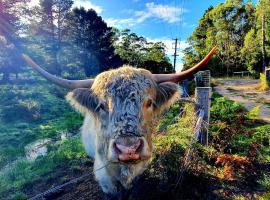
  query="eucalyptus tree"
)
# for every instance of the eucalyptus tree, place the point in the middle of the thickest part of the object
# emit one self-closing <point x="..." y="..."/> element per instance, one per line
<point x="11" y="12"/>
<point x="226" y="26"/>
<point x="51" y="30"/>
<point x="137" y="51"/>
<point x="93" y="41"/>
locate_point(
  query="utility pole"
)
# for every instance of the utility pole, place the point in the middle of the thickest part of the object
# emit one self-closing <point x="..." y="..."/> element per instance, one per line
<point x="175" y="53"/>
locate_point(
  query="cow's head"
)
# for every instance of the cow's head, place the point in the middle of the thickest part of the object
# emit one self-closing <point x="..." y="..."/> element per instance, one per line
<point x="123" y="102"/>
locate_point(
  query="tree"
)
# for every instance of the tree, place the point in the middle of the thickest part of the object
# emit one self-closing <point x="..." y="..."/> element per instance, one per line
<point x="226" y="26"/>
<point x="10" y="26"/>
<point x="93" y="40"/>
<point x="10" y="62"/>
<point x="137" y="52"/>
<point x="263" y="18"/>
<point x="52" y="29"/>
<point x="251" y="52"/>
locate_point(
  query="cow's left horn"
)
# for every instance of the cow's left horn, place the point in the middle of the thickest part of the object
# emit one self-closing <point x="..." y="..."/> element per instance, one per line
<point x="185" y="74"/>
<point x="70" y="84"/>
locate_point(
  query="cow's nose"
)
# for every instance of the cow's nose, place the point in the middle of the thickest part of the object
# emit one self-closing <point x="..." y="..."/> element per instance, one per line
<point x="129" y="152"/>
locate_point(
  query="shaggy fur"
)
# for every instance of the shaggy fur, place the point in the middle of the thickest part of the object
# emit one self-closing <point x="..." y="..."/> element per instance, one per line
<point x="120" y="105"/>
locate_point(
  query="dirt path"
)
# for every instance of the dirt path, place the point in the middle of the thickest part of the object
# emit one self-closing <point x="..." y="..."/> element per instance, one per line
<point x="245" y="93"/>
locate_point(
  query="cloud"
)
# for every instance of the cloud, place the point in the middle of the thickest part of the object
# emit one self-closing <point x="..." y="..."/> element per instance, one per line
<point x="88" y="5"/>
<point x="166" y="13"/>
<point x="33" y="3"/>
<point x="187" y="25"/>
<point x="120" y="23"/>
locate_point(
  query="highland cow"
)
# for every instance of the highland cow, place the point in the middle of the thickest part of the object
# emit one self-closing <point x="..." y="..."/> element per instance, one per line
<point x="119" y="107"/>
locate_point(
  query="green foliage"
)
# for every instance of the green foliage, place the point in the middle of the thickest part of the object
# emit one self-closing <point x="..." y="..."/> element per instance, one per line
<point x="251" y="52"/>
<point x="137" y="51"/>
<point x="265" y="182"/>
<point x="48" y="116"/>
<point x="169" y="117"/>
<point x="19" y="196"/>
<point x="262" y="135"/>
<point x="254" y="113"/>
<point x="264" y="83"/>
<point x="92" y="39"/>
<point x="225" y="110"/>
<point x="23" y="172"/>
<point x="233" y="26"/>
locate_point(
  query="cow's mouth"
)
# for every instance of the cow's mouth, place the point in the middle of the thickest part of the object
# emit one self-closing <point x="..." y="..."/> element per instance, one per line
<point x="131" y="150"/>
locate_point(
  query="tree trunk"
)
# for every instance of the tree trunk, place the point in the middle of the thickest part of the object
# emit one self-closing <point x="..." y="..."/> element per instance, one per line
<point x="263" y="44"/>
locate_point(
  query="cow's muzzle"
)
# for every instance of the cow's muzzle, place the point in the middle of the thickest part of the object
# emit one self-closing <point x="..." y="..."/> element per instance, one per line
<point x="130" y="149"/>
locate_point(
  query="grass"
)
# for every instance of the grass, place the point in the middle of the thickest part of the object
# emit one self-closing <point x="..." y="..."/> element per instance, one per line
<point x="28" y="113"/>
<point x="237" y="142"/>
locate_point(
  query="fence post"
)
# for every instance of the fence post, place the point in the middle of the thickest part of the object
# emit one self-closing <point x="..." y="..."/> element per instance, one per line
<point x="202" y="95"/>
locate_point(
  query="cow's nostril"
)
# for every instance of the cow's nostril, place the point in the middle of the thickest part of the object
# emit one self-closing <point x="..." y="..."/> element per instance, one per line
<point x="129" y="148"/>
<point x="128" y="152"/>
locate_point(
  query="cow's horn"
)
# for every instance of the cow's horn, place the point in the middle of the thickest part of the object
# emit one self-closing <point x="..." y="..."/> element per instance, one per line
<point x="185" y="74"/>
<point x="70" y="84"/>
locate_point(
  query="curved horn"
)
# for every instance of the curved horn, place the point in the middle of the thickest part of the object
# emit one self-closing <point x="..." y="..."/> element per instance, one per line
<point x="70" y="84"/>
<point x="185" y="74"/>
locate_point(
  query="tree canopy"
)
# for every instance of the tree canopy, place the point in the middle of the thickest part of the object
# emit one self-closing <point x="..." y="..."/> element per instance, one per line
<point x="74" y="43"/>
<point x="236" y="28"/>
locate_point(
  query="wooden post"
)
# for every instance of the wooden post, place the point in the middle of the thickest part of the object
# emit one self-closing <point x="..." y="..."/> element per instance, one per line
<point x="203" y="95"/>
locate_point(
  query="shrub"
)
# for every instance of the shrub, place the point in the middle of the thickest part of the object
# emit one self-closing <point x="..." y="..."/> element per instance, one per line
<point x="226" y="110"/>
<point x="233" y="166"/>
<point x="254" y="113"/>
<point x="264" y="84"/>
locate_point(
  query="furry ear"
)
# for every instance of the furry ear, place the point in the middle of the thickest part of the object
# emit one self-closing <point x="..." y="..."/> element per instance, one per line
<point x="167" y="94"/>
<point x="83" y="100"/>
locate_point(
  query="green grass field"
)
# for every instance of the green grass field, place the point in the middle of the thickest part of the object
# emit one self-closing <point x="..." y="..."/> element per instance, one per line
<point x="238" y="143"/>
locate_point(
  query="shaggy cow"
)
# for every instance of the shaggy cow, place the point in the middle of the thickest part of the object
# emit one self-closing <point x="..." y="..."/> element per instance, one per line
<point x="119" y="107"/>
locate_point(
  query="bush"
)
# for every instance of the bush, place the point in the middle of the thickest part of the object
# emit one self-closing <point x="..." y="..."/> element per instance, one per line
<point x="264" y="84"/>
<point x="254" y="113"/>
<point x="225" y="110"/>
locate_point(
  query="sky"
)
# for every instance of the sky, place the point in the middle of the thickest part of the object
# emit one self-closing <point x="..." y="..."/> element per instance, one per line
<point x="160" y="20"/>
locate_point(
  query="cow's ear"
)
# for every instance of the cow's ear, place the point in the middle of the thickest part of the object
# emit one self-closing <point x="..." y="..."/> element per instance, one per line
<point x="167" y="94"/>
<point x="83" y="100"/>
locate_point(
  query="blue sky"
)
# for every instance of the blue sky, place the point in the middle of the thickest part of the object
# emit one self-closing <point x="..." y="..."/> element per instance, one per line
<point x="160" y="20"/>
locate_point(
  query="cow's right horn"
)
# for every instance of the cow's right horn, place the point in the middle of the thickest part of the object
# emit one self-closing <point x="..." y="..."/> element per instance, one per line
<point x="70" y="84"/>
<point x="177" y="77"/>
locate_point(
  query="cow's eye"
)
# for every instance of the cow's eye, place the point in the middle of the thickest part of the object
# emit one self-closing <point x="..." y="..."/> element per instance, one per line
<point x="149" y="103"/>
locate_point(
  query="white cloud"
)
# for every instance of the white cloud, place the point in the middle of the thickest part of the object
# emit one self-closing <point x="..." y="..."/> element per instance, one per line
<point x="120" y="23"/>
<point x="33" y="3"/>
<point x="166" y="13"/>
<point x="87" y="4"/>
<point x="169" y="14"/>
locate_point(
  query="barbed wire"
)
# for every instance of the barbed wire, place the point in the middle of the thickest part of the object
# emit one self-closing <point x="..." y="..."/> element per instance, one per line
<point x="60" y="187"/>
